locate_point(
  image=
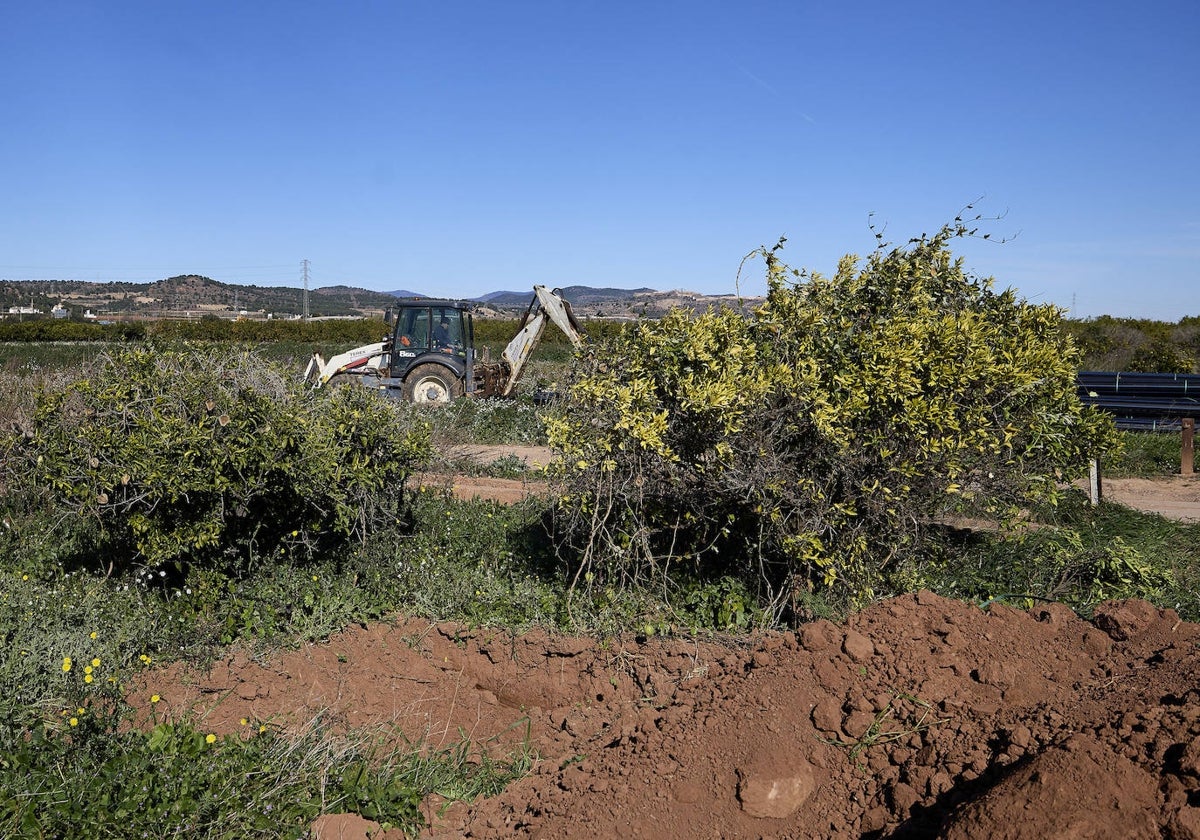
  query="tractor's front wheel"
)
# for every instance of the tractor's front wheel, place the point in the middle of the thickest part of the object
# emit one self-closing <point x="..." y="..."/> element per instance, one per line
<point x="432" y="384"/>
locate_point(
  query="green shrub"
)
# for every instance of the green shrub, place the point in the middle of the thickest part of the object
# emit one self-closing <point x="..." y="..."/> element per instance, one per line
<point x="350" y="330"/>
<point x="1160" y="356"/>
<point x="185" y="454"/>
<point x="807" y="447"/>
<point x="1136" y="344"/>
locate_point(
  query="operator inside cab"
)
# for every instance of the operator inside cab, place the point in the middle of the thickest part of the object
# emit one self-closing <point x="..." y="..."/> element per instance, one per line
<point x="441" y="336"/>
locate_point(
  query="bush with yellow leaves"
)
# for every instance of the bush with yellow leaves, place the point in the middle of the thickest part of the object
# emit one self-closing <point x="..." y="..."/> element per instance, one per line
<point x="806" y="447"/>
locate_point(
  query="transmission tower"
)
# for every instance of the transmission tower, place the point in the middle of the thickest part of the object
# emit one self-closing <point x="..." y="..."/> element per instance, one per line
<point x="304" y="268"/>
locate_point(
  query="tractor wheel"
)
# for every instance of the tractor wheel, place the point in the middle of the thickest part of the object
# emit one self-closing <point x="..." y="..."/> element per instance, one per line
<point x="432" y="384"/>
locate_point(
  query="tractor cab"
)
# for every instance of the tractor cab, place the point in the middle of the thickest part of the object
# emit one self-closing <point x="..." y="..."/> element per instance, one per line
<point x="435" y="331"/>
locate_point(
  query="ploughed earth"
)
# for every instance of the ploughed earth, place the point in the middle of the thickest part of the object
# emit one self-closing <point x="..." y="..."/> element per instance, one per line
<point x="919" y="717"/>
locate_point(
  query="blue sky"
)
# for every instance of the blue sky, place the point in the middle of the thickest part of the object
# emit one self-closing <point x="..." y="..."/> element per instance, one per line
<point x="458" y="148"/>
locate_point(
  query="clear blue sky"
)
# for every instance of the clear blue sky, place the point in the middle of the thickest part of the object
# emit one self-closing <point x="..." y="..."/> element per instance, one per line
<point x="464" y="147"/>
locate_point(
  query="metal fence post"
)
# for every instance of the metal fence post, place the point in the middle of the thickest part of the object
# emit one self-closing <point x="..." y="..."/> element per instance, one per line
<point x="1095" y="484"/>
<point x="1186" y="452"/>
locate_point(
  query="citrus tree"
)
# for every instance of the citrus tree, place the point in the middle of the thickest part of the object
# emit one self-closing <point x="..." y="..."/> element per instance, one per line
<point x="807" y="445"/>
<point x="189" y="454"/>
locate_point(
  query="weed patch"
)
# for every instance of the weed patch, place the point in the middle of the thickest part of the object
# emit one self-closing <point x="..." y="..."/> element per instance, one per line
<point x="1079" y="555"/>
<point x="902" y="716"/>
<point x="82" y="775"/>
<point x="1144" y="454"/>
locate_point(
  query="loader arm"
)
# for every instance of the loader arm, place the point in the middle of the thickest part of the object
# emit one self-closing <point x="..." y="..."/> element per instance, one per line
<point x="368" y="360"/>
<point x="546" y="305"/>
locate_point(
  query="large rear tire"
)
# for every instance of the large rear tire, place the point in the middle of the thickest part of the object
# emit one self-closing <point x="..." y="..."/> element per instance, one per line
<point x="431" y="383"/>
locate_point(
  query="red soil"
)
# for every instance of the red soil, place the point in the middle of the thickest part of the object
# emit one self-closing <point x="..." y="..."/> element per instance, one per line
<point x="920" y="717"/>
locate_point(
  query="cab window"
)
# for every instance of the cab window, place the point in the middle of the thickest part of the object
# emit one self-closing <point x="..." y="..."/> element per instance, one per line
<point x="412" y="329"/>
<point x="447" y="330"/>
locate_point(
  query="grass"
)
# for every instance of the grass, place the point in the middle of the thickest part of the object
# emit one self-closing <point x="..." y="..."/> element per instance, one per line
<point x="1145" y="455"/>
<point x="74" y="766"/>
<point x="77" y="635"/>
<point x="494" y="421"/>
<point x="1077" y="554"/>
<point x="81" y="774"/>
<point x="25" y="357"/>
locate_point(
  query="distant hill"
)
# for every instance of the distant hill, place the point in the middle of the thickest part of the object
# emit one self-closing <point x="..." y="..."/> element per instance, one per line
<point x="490" y="296"/>
<point x="192" y="296"/>
<point x="578" y="296"/>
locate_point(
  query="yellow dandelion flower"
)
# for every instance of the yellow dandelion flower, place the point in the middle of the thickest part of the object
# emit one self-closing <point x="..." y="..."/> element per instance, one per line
<point x="244" y="722"/>
<point x="154" y="698"/>
<point x="87" y="669"/>
<point x="80" y="710"/>
<point x="93" y="634"/>
<point x="74" y="721"/>
<point x="262" y="728"/>
<point x="66" y="664"/>
<point x="210" y="738"/>
<point x="87" y="678"/>
<point x="96" y="662"/>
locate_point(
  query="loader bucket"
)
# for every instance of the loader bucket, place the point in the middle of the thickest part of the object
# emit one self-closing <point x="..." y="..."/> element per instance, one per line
<point x="312" y="373"/>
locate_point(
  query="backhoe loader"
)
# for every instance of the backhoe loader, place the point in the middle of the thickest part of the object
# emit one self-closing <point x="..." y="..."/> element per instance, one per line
<point x="430" y="356"/>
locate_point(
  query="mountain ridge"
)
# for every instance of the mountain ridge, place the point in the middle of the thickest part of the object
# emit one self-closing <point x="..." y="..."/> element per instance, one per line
<point x="191" y="295"/>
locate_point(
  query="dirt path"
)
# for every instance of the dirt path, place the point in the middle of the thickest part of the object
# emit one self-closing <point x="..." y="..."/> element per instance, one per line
<point x="1175" y="497"/>
<point x="502" y="490"/>
<point x="922" y="717"/>
<point x="531" y="456"/>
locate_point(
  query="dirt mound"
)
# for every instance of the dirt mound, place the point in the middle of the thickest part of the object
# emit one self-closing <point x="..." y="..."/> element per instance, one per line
<point x="1078" y="788"/>
<point x="920" y="717"/>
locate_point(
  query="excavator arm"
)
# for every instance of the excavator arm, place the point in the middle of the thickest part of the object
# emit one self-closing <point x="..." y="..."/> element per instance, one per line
<point x="546" y="306"/>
